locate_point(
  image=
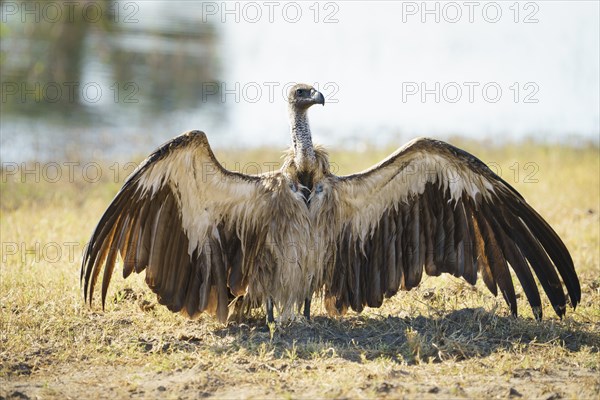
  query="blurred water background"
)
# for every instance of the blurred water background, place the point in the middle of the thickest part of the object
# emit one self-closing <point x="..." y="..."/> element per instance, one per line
<point x="113" y="79"/>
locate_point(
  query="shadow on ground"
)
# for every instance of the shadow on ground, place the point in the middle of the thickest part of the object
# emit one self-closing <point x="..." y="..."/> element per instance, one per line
<point x="458" y="335"/>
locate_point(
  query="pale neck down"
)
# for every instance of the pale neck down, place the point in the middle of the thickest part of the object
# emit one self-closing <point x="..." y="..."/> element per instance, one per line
<point x="304" y="153"/>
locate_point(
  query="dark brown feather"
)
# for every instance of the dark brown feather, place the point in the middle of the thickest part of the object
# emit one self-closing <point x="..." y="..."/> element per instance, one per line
<point x="497" y="261"/>
<point x="552" y="244"/>
<point x="538" y="259"/>
<point x="413" y="265"/>
<point x="392" y="281"/>
<point x="400" y="275"/>
<point x="429" y="230"/>
<point x="519" y="265"/>
<point x="111" y="258"/>
<point x="470" y="267"/>
<point x="220" y="283"/>
<point x="192" y="298"/>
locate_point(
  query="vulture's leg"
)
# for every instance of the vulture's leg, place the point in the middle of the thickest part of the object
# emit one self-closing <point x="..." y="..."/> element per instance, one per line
<point x="308" y="300"/>
<point x="270" y="317"/>
<point x="307" y="308"/>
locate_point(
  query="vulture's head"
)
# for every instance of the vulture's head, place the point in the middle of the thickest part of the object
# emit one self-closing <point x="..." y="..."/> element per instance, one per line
<point x="302" y="96"/>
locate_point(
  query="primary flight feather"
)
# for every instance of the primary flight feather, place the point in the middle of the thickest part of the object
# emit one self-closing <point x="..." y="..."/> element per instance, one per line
<point x="216" y="241"/>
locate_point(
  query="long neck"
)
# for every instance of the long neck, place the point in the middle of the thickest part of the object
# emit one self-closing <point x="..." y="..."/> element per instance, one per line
<point x="304" y="153"/>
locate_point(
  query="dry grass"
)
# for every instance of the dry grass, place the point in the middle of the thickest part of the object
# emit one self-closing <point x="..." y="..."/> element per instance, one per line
<point x="444" y="339"/>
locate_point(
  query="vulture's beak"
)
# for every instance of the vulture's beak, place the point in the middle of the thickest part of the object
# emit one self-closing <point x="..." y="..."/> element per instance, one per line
<point x="318" y="98"/>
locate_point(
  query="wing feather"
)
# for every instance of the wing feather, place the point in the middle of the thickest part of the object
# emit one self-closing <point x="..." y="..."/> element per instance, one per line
<point x="440" y="234"/>
<point x="168" y="220"/>
<point x="413" y="264"/>
<point x="391" y="281"/>
<point x="442" y="210"/>
<point x="497" y="262"/>
<point x="470" y="265"/>
<point x="519" y="264"/>
<point x="555" y="248"/>
<point x="400" y="277"/>
<point x="482" y="258"/>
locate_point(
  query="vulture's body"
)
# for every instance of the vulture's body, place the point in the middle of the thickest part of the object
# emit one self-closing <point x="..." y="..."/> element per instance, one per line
<point x="215" y="241"/>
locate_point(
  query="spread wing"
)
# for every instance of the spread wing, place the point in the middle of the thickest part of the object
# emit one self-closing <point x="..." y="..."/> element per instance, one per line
<point x="181" y="217"/>
<point x="431" y="206"/>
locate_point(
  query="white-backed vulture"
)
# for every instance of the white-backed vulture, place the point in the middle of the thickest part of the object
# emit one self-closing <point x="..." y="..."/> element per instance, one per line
<point x="209" y="238"/>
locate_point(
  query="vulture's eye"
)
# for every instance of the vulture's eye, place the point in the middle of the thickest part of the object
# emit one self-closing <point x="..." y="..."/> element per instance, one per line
<point x="299" y="92"/>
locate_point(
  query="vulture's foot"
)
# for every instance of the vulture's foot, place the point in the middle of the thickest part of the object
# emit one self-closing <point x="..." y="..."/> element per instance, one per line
<point x="307" y="309"/>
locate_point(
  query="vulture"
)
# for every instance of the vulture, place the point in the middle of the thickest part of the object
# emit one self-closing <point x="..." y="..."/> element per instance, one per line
<point x="221" y="242"/>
